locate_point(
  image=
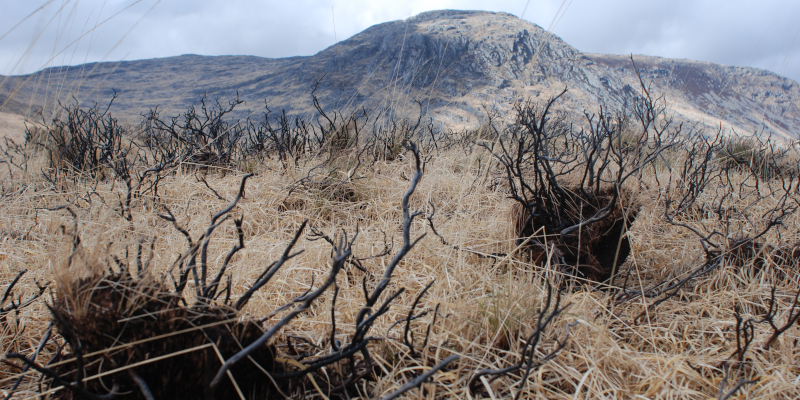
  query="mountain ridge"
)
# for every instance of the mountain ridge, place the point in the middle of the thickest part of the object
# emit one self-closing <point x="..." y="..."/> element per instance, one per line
<point x="453" y="63"/>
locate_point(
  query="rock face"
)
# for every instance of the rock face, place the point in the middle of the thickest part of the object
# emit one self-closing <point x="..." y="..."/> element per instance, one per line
<point x="453" y="64"/>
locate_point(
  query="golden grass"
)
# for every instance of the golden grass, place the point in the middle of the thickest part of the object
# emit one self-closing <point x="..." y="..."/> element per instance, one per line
<point x="675" y="352"/>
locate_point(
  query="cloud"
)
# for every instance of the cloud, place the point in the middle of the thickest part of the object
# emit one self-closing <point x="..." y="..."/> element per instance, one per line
<point x="733" y="32"/>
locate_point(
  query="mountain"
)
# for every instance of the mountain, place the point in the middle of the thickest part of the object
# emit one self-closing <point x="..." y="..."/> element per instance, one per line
<point x="456" y="64"/>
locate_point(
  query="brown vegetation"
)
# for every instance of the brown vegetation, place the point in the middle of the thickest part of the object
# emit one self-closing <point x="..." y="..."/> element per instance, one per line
<point x="564" y="263"/>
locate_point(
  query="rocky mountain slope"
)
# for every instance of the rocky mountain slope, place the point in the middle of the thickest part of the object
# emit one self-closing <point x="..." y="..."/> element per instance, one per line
<point x="456" y="64"/>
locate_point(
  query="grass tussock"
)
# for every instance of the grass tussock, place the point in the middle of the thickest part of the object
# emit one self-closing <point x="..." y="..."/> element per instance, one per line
<point x="119" y="323"/>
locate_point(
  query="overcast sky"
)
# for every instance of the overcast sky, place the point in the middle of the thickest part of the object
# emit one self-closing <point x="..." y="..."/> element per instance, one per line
<point x="744" y="33"/>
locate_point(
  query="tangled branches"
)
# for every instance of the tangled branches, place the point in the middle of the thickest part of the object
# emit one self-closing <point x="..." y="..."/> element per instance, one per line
<point x="587" y="220"/>
<point x="153" y="338"/>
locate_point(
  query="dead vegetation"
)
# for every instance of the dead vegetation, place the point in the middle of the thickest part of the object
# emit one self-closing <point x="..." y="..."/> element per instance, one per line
<point x="628" y="258"/>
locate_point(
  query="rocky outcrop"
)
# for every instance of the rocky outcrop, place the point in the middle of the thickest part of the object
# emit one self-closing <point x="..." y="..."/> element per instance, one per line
<point x="455" y="64"/>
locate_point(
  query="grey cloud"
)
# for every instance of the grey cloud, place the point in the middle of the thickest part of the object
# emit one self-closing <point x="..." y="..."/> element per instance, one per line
<point x="714" y="31"/>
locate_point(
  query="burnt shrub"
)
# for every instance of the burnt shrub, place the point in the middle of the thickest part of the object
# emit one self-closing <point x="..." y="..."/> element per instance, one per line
<point x="570" y="184"/>
<point x="83" y="143"/>
<point x="203" y="137"/>
<point x="757" y="154"/>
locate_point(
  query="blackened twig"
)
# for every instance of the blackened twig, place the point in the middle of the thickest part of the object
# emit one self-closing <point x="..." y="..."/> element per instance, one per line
<point x="58" y="381"/>
<point x="422" y="378"/>
<point x="409" y="342"/>
<point x="794" y="316"/>
<point x="342" y="253"/>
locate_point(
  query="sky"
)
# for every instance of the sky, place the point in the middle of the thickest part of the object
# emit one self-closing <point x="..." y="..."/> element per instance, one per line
<point x="35" y="34"/>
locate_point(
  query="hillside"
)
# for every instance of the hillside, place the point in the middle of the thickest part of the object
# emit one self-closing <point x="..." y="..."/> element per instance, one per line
<point x="456" y="63"/>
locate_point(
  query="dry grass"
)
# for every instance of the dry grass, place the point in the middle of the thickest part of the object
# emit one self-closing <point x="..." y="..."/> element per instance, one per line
<point x="675" y="352"/>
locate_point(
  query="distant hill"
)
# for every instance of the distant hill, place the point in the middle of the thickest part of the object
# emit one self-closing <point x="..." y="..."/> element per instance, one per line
<point x="454" y="63"/>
